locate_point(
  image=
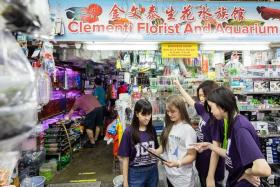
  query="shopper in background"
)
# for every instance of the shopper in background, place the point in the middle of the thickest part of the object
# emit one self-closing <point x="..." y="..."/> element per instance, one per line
<point x="139" y="168"/>
<point x="234" y="67"/>
<point x="244" y="159"/>
<point x="99" y="92"/>
<point x="122" y="88"/>
<point x="94" y="116"/>
<point x="208" y="164"/>
<point x="112" y="93"/>
<point x="175" y="140"/>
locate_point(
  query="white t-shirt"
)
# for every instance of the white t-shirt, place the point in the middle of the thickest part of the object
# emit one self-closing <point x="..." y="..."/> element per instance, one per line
<point x="179" y="139"/>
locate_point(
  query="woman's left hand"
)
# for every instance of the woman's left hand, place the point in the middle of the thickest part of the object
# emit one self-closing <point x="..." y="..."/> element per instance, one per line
<point x="171" y="163"/>
<point x="254" y="180"/>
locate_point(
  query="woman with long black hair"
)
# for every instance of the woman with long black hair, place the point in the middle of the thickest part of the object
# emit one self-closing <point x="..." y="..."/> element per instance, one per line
<point x="244" y="159"/>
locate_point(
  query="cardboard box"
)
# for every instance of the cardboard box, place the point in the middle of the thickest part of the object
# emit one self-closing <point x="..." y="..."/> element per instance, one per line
<point x="274" y="86"/>
<point x="261" y="86"/>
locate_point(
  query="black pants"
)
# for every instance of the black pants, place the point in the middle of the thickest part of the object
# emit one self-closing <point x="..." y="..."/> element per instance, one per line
<point x="202" y="180"/>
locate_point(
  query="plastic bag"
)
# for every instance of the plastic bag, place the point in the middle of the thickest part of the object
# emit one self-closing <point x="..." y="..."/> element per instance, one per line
<point x="41" y="9"/>
<point x="13" y="142"/>
<point x="16" y="74"/>
<point x="18" y="18"/>
<point x="43" y="85"/>
<point x="17" y="119"/>
<point x="27" y="16"/>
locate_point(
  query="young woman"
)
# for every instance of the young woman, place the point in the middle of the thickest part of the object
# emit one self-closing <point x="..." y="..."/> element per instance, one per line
<point x="244" y="160"/>
<point x="208" y="164"/>
<point x="139" y="167"/>
<point x="175" y="140"/>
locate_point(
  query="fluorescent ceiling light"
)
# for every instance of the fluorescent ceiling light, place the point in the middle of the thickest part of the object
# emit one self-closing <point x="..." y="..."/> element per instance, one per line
<point x="88" y="42"/>
<point x="225" y="46"/>
<point x="63" y="45"/>
<point x="122" y="46"/>
<point x="78" y="45"/>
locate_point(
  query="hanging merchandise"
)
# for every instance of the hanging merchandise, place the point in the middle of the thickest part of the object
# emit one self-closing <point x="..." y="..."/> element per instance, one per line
<point x="16" y="75"/>
<point x="43" y="84"/>
<point x="205" y="64"/>
<point x="18" y="101"/>
<point x="125" y="63"/>
<point x="59" y="27"/>
<point x="26" y="16"/>
<point x="183" y="69"/>
<point x="144" y="62"/>
<point x="118" y="64"/>
<point x="111" y="132"/>
<point x="22" y="40"/>
<point x="47" y="57"/>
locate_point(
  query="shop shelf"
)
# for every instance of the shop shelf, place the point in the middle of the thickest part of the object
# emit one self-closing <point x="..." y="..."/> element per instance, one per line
<point x="259" y="110"/>
<point x="258" y="93"/>
<point x="158" y="115"/>
<point x="269" y="136"/>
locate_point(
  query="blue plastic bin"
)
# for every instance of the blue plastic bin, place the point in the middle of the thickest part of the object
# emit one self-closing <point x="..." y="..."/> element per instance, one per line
<point x="37" y="181"/>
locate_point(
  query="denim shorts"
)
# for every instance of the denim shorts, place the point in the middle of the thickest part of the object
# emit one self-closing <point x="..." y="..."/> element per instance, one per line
<point x="143" y="176"/>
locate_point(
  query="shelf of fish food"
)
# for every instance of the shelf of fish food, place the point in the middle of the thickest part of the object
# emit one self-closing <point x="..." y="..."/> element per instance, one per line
<point x="56" y="139"/>
<point x="166" y="84"/>
<point x="271" y="148"/>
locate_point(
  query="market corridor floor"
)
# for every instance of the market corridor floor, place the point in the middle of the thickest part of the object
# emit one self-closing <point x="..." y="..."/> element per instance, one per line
<point x="88" y="160"/>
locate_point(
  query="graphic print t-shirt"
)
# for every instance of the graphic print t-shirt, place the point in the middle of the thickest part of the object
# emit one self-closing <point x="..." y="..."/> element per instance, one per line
<point x="207" y="132"/>
<point x="138" y="156"/>
<point x="179" y="139"/>
<point x="243" y="149"/>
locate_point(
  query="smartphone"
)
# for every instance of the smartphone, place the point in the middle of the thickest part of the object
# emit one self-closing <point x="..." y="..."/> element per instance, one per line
<point x="159" y="157"/>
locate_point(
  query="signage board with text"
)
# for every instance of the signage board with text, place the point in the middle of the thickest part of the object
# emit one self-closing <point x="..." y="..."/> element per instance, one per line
<point x="84" y="20"/>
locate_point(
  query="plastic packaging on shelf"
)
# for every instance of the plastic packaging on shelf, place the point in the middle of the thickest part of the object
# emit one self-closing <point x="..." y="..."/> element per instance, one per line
<point x="7" y="165"/>
<point x="16" y="74"/>
<point x="30" y="163"/>
<point x="49" y="169"/>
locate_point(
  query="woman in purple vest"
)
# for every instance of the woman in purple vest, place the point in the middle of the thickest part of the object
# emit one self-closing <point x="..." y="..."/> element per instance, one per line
<point x="244" y="159"/>
<point x="208" y="164"/>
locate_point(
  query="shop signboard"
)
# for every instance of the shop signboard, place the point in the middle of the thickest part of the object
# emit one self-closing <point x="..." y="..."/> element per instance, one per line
<point x="179" y="50"/>
<point x="119" y="20"/>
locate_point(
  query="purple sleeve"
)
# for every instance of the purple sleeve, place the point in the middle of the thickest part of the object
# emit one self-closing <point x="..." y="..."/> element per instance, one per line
<point x="217" y="129"/>
<point x="125" y="145"/>
<point x="247" y="147"/>
<point x="199" y="108"/>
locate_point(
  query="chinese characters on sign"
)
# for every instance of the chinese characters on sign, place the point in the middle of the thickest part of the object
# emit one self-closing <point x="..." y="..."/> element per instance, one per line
<point x="155" y="20"/>
<point x="186" y="14"/>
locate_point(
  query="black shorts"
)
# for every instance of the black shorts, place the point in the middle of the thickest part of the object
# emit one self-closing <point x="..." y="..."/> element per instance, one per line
<point x="94" y="118"/>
